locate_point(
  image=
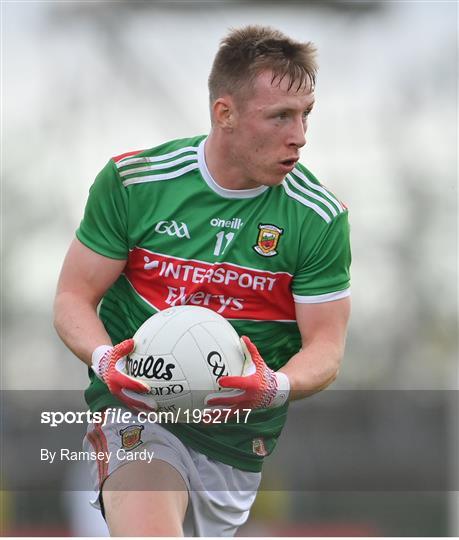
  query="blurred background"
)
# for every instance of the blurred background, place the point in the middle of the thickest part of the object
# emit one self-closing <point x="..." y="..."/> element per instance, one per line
<point x="84" y="81"/>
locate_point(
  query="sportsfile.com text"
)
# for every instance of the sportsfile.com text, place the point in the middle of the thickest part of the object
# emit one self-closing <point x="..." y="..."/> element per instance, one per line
<point x="112" y="415"/>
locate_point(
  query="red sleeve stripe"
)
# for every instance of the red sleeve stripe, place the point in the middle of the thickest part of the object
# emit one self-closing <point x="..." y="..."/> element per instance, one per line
<point x="116" y="159"/>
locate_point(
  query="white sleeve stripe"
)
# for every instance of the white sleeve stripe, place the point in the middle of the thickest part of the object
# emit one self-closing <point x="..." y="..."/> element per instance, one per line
<point x="158" y="177"/>
<point x="150" y="159"/>
<point x="304" y="201"/>
<point x="319" y="298"/>
<point x="313" y="195"/>
<point x="168" y="165"/>
<point x="320" y="188"/>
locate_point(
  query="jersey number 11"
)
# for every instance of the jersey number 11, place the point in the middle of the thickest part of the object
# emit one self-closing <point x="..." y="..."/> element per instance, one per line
<point x="222" y="243"/>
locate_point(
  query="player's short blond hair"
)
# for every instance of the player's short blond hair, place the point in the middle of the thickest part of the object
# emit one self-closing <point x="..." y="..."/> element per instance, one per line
<point x="246" y="52"/>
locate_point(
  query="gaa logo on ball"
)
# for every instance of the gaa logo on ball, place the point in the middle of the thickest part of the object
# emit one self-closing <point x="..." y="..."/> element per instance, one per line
<point x="181" y="353"/>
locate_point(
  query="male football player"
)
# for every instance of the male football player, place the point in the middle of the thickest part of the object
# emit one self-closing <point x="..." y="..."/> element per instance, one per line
<point x="233" y="222"/>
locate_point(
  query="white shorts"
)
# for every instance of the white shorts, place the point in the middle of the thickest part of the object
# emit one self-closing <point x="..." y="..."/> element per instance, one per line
<point x="220" y="496"/>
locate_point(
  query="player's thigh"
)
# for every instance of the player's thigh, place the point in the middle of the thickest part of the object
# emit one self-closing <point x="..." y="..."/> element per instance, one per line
<point x="145" y="499"/>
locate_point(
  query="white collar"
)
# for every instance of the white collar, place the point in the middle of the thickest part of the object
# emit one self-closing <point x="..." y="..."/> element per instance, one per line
<point x="223" y="192"/>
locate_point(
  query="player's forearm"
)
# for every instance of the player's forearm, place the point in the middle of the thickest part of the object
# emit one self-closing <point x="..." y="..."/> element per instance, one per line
<point x="313" y="368"/>
<point x="78" y="325"/>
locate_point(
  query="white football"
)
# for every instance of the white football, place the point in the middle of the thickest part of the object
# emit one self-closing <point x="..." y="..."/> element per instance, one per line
<point x="181" y="353"/>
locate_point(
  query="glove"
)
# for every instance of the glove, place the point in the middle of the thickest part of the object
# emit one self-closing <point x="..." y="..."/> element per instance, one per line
<point x="259" y="387"/>
<point x="109" y="364"/>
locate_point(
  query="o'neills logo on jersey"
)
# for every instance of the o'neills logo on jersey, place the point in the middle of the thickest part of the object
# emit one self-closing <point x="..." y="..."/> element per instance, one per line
<point x="235" y="223"/>
<point x="268" y="238"/>
<point x="235" y="292"/>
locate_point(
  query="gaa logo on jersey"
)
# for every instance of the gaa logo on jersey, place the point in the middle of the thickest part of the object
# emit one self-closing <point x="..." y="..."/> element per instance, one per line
<point x="268" y="239"/>
<point x="172" y="228"/>
<point x="130" y="437"/>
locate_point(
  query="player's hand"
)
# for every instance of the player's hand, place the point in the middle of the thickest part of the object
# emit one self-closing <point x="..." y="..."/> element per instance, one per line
<point x="259" y="387"/>
<point x="109" y="364"/>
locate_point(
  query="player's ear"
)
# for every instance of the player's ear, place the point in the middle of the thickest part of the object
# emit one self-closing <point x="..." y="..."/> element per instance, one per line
<point x="223" y="113"/>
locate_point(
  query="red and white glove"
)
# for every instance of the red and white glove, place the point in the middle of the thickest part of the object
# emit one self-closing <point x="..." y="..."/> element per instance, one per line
<point x="109" y="364"/>
<point x="259" y="387"/>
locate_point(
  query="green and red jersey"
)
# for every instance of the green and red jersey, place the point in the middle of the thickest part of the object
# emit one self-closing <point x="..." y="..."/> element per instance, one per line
<point x="249" y="255"/>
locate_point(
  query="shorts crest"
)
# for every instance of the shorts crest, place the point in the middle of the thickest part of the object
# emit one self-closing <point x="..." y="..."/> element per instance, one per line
<point x="131" y="437"/>
<point x="258" y="447"/>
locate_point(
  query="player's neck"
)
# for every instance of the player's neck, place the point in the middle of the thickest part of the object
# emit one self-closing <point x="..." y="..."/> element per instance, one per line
<point x="224" y="169"/>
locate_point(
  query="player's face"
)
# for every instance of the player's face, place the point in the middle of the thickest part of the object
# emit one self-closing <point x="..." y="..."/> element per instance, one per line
<point x="269" y="130"/>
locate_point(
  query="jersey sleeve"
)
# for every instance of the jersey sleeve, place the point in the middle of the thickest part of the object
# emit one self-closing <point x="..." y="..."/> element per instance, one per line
<point x="104" y="225"/>
<point x="324" y="274"/>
